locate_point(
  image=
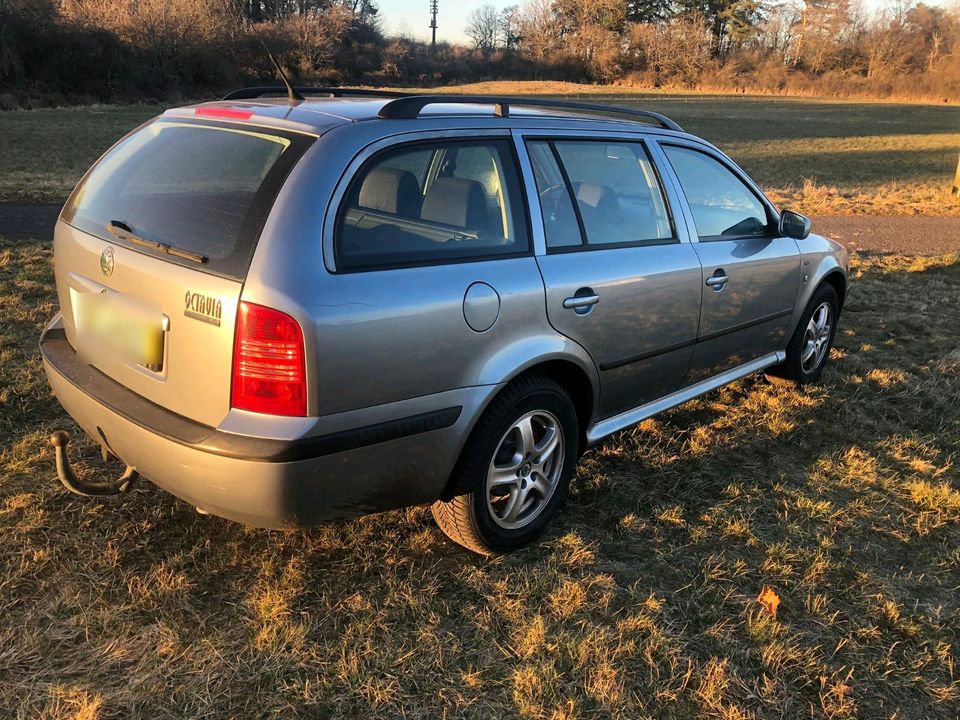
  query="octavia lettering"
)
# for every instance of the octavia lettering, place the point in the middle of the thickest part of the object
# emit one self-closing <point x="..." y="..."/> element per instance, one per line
<point x="203" y="307"/>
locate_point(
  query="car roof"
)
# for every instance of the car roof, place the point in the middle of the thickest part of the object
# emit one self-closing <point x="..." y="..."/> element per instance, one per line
<point x="316" y="115"/>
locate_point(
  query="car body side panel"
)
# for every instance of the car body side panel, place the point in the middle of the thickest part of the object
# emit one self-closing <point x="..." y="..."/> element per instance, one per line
<point x="748" y="318"/>
<point x="383" y="336"/>
<point x="388" y="335"/>
<point x="820" y="257"/>
<point x="641" y="333"/>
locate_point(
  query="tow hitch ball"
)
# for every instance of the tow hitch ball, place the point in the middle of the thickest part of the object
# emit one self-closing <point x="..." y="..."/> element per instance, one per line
<point x="60" y="439"/>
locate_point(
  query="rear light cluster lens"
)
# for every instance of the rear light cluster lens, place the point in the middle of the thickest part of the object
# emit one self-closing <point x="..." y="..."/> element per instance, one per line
<point x="268" y="368"/>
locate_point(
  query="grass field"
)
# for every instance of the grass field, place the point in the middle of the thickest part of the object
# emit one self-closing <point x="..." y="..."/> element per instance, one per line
<point x="844" y="499"/>
<point x="821" y="157"/>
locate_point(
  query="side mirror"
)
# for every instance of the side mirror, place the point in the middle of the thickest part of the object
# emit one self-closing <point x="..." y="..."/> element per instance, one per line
<point x="794" y="225"/>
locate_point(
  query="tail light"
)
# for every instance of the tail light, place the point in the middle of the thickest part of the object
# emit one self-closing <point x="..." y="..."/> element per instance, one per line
<point x="268" y="369"/>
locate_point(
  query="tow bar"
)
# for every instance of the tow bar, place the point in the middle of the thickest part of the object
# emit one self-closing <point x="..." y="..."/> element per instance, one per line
<point x="60" y="439"/>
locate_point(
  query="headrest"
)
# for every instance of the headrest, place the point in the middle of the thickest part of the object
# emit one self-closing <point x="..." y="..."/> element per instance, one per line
<point x="595" y="195"/>
<point x="456" y="201"/>
<point x="391" y="191"/>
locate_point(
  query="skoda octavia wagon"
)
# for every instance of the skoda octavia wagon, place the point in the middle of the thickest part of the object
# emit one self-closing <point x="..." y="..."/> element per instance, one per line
<point x="290" y="311"/>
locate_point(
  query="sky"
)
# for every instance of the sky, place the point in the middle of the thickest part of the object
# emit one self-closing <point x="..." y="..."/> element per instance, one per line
<point x="412" y="17"/>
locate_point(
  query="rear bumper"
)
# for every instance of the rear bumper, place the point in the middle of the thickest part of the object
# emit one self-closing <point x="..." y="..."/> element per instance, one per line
<point x="265" y="482"/>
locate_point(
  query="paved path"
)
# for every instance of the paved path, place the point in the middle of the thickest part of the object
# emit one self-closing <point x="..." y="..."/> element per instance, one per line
<point x="21" y="221"/>
<point x="903" y="235"/>
<point x="897" y="234"/>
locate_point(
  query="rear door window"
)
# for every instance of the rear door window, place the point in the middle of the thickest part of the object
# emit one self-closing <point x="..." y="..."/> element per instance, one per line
<point x="609" y="188"/>
<point x="432" y="203"/>
<point x="204" y="189"/>
<point x="722" y="204"/>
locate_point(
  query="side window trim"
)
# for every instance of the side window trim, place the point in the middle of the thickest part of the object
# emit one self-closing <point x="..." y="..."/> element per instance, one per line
<point x="573" y="201"/>
<point x="366" y="156"/>
<point x="585" y="246"/>
<point x="771" y="212"/>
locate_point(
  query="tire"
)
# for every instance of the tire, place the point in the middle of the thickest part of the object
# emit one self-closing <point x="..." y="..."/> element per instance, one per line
<point x="800" y="368"/>
<point x="498" y="518"/>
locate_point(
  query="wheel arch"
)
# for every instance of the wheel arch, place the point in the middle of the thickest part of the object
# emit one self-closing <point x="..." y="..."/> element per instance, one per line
<point x="576" y="382"/>
<point x="571" y="372"/>
<point x="838" y="280"/>
<point x="828" y="271"/>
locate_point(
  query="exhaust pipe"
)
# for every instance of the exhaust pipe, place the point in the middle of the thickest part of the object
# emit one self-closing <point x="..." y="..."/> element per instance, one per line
<point x="60" y="439"/>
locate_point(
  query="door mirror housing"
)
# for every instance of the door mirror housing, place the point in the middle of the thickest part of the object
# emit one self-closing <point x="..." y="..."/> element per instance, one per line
<point x="794" y="225"/>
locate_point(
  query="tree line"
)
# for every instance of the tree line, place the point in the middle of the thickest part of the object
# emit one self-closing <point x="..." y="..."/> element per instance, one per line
<point x="61" y="51"/>
<point x="766" y="45"/>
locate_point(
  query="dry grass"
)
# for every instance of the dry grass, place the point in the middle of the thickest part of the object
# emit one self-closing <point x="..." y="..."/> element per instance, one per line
<point x="844" y="499"/>
<point x="811" y="198"/>
<point x="44" y="153"/>
<point x="817" y="156"/>
<point x="559" y="87"/>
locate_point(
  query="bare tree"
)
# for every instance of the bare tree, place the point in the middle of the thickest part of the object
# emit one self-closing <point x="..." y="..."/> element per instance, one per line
<point x="886" y="45"/>
<point x="483" y="27"/>
<point x="510" y="26"/>
<point x="539" y="29"/>
<point x="775" y="32"/>
<point x="820" y="28"/>
<point x="591" y="30"/>
<point x="316" y="35"/>
<point x="676" y="51"/>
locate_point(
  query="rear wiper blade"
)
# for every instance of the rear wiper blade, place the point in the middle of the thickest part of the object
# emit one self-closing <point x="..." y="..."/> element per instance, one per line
<point x="123" y="231"/>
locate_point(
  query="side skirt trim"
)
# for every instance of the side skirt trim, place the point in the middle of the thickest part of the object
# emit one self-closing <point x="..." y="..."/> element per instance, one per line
<point x="611" y="425"/>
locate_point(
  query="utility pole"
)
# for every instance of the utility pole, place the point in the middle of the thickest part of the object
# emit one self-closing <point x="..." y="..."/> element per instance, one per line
<point x="433" y="24"/>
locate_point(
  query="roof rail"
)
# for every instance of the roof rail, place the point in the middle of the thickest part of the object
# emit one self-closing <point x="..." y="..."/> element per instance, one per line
<point x="409" y="107"/>
<point x="255" y="92"/>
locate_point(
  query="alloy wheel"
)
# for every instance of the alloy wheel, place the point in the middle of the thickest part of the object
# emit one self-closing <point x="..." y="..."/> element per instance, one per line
<point x="525" y="469"/>
<point x="816" y="339"/>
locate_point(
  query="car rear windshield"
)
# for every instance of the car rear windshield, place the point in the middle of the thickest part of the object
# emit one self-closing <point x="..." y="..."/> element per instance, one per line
<point x="204" y="189"/>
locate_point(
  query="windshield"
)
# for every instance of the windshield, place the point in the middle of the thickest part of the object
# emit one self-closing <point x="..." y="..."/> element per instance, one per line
<point x="203" y="189"/>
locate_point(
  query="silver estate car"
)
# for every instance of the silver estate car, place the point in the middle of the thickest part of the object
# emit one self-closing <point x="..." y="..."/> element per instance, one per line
<point x="291" y="311"/>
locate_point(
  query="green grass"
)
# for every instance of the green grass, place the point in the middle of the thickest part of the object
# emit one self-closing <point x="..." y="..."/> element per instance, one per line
<point x="44" y="153"/>
<point x="829" y="156"/>
<point x="640" y="602"/>
<point x="820" y="156"/>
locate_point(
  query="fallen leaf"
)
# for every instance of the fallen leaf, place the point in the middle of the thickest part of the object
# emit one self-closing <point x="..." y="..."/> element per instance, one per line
<point x="769" y="599"/>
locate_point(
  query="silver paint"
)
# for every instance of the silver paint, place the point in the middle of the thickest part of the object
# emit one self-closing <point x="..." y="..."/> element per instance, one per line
<point x="388" y="344"/>
<point x="481" y="306"/>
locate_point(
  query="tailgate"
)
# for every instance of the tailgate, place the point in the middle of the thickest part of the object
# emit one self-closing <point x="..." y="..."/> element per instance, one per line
<point x="152" y="249"/>
<point x="194" y="313"/>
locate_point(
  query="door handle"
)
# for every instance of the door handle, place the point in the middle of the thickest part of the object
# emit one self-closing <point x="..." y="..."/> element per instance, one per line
<point x="572" y="303"/>
<point x="717" y="280"/>
<point x="581" y="304"/>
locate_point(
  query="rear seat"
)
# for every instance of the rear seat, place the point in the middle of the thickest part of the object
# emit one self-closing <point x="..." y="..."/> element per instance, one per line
<point x="457" y="202"/>
<point x="391" y="191"/>
<point x="391" y="216"/>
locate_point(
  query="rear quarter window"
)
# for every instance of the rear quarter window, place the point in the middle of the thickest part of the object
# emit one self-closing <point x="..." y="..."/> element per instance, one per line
<point x="430" y="203"/>
<point x="206" y="189"/>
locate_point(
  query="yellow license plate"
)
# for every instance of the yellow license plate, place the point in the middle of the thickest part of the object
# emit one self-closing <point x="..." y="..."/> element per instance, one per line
<point x="112" y="327"/>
